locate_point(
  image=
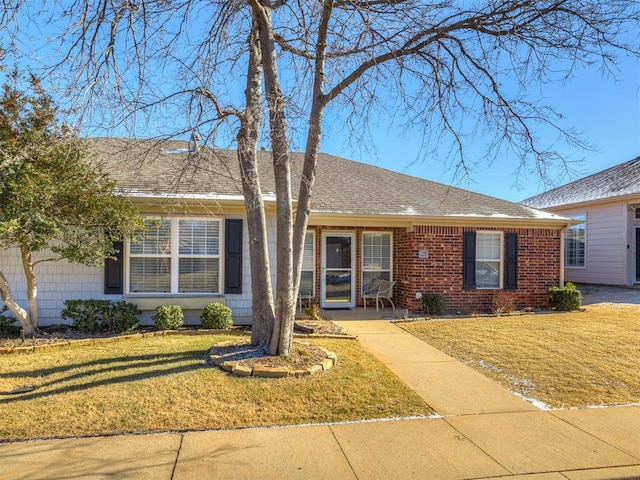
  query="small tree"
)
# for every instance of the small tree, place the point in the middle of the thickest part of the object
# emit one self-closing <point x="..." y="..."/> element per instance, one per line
<point x="53" y="199"/>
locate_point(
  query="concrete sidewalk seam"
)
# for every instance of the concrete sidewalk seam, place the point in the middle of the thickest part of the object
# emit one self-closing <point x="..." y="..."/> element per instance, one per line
<point x="344" y="454"/>
<point x="613" y="445"/>
<point x="477" y="446"/>
<point x="175" y="463"/>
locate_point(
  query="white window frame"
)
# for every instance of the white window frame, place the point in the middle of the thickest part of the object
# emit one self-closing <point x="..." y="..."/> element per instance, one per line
<point x="175" y="257"/>
<point x="500" y="258"/>
<point x="310" y="234"/>
<point x="571" y="235"/>
<point x="362" y="265"/>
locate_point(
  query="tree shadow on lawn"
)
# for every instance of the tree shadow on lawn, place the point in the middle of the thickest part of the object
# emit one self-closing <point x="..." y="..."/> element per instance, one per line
<point x="172" y="363"/>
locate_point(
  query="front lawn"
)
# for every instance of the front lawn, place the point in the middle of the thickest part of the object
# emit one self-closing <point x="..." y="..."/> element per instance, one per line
<point x="577" y="359"/>
<point x="162" y="384"/>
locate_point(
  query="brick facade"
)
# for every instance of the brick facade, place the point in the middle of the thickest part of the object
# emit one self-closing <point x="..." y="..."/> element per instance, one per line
<point x="441" y="273"/>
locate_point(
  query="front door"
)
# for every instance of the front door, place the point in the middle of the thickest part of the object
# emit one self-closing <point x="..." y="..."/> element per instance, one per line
<point x="338" y="272"/>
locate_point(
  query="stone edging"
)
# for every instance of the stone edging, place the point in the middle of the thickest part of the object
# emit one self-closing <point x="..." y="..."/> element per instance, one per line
<point x="235" y="367"/>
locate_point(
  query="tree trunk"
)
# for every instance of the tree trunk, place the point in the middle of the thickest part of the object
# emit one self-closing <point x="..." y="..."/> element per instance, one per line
<point x="285" y="295"/>
<point x="20" y="313"/>
<point x="32" y="288"/>
<point x="263" y="316"/>
<point x="319" y="102"/>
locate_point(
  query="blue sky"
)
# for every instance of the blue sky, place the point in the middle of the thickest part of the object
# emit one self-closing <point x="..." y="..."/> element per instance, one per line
<point x="605" y="109"/>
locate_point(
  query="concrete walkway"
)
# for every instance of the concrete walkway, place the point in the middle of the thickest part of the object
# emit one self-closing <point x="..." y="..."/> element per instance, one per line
<point x="484" y="432"/>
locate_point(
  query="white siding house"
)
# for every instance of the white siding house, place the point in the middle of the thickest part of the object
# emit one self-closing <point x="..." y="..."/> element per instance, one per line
<point x="609" y="204"/>
<point x="62" y="280"/>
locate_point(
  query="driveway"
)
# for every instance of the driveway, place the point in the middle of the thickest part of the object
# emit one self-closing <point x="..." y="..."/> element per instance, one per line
<point x="592" y="294"/>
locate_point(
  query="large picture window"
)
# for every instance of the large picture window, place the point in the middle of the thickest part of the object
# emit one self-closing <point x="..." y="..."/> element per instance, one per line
<point x="376" y="257"/>
<point x="574" y="243"/>
<point x="488" y="259"/>
<point x="176" y="256"/>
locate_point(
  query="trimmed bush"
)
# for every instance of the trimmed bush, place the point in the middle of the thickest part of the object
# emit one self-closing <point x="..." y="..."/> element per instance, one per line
<point x="86" y="315"/>
<point x="216" y="315"/>
<point x="101" y="315"/>
<point x="121" y="317"/>
<point x="433" y="304"/>
<point x="169" y="317"/>
<point x="565" y="299"/>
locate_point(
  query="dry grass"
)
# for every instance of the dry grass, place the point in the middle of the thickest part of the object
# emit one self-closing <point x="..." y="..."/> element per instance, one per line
<point x="564" y="360"/>
<point x="162" y="384"/>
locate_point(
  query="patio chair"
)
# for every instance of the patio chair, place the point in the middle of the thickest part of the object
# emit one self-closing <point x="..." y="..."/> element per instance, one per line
<point x="380" y="290"/>
<point x="304" y="294"/>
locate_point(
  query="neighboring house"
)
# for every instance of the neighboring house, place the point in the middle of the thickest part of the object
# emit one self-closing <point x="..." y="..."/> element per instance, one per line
<point x="365" y="223"/>
<point x="605" y="247"/>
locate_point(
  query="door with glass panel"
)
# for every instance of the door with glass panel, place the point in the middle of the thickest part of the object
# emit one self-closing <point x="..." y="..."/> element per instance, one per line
<point x="338" y="270"/>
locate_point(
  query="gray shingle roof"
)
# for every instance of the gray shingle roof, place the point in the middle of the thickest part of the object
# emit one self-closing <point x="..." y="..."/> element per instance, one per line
<point x="618" y="181"/>
<point x="142" y="167"/>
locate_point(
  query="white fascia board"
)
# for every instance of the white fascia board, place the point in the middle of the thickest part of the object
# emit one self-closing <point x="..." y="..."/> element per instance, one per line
<point x="629" y="199"/>
<point x="396" y="220"/>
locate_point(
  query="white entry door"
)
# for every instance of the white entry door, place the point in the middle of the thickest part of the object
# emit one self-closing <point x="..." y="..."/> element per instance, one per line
<point x="338" y="284"/>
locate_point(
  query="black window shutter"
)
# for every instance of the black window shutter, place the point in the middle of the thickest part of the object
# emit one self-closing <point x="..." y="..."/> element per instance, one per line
<point x="469" y="260"/>
<point x="113" y="272"/>
<point x="511" y="267"/>
<point x="233" y="256"/>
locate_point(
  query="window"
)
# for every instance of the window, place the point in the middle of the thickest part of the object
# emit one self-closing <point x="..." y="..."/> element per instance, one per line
<point x="176" y="256"/>
<point x="376" y="257"/>
<point x="574" y="243"/>
<point x="488" y="259"/>
<point x="308" y="275"/>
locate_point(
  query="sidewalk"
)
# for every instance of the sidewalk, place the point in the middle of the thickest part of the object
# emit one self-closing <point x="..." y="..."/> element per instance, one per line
<point x="484" y="432"/>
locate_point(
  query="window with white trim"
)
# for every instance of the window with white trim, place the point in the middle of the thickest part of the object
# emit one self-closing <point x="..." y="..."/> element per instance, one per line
<point x="575" y="241"/>
<point x="488" y="260"/>
<point x="376" y="257"/>
<point x="308" y="275"/>
<point x="176" y="255"/>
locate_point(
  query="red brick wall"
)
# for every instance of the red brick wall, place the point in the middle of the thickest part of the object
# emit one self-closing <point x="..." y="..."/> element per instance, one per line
<point x="441" y="273"/>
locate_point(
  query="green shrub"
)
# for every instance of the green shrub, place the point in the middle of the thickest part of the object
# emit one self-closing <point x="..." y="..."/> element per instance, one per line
<point x="565" y="299"/>
<point x="433" y="304"/>
<point x="7" y="326"/>
<point x="101" y="315"/>
<point x="86" y="315"/>
<point x="121" y="317"/>
<point x="168" y="317"/>
<point x="216" y="315"/>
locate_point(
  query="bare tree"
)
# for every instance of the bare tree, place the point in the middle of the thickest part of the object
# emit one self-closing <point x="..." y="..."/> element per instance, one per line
<point x="454" y="70"/>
